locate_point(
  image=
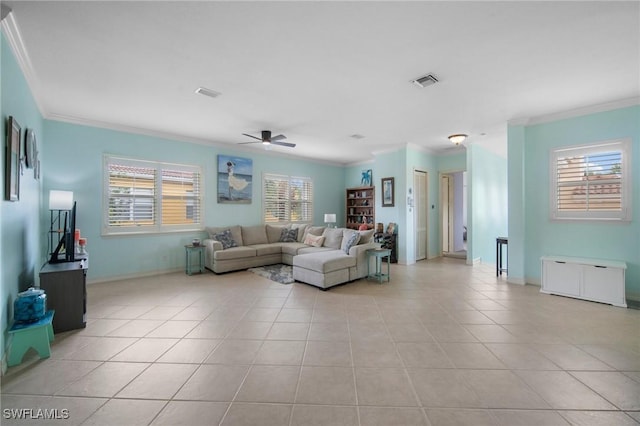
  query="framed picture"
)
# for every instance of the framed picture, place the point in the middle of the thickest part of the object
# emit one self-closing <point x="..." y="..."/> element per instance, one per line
<point x="235" y="175"/>
<point x="367" y="178"/>
<point x="12" y="161"/>
<point x="388" y="192"/>
<point x="30" y="148"/>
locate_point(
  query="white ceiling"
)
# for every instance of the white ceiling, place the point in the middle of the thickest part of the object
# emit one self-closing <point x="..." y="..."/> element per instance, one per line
<point x="322" y="71"/>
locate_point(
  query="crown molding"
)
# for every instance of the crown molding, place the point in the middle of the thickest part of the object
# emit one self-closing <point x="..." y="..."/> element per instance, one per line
<point x="576" y="112"/>
<point x="12" y="33"/>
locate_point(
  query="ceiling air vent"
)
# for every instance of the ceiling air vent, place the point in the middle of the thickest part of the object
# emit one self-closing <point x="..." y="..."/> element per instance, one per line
<point x="425" y="81"/>
<point x="208" y="92"/>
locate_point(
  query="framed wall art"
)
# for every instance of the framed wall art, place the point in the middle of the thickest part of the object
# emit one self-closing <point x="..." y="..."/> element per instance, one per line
<point x="30" y="148"/>
<point x="388" y="192"/>
<point x="12" y="161"/>
<point x="235" y="175"/>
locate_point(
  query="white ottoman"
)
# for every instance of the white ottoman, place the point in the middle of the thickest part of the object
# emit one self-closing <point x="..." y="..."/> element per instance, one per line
<point x="323" y="269"/>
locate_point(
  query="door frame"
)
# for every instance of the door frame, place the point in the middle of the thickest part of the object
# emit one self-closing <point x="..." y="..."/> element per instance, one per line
<point x="448" y="173"/>
<point x="416" y="214"/>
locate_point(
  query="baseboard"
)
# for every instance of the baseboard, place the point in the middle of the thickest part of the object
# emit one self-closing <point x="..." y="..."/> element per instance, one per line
<point x="134" y="276"/>
<point x="514" y="280"/>
<point x="474" y="262"/>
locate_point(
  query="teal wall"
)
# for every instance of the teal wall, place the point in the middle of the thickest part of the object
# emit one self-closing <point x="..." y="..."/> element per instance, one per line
<point x="517" y="207"/>
<point x="75" y="155"/>
<point x="619" y="241"/>
<point x="20" y="233"/>
<point x="488" y="214"/>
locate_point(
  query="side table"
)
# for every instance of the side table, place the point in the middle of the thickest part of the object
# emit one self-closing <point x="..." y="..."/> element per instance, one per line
<point x="190" y="249"/>
<point x="379" y="255"/>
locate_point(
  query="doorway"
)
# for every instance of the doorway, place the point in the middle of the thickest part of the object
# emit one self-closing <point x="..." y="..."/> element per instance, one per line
<point x="453" y="223"/>
<point x="421" y="213"/>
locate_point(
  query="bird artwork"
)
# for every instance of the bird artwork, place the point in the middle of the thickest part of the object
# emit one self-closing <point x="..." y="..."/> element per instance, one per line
<point x="234" y="180"/>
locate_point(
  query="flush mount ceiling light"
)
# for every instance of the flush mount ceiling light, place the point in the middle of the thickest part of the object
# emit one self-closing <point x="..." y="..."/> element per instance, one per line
<point x="356" y="136"/>
<point x="458" y="138"/>
<point x="208" y="92"/>
<point x="425" y="81"/>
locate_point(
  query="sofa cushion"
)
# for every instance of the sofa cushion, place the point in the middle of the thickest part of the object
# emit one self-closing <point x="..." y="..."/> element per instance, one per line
<point x="332" y="237"/>
<point x="307" y="249"/>
<point x="302" y="230"/>
<point x="264" y="249"/>
<point x="314" y="240"/>
<point x="350" y="238"/>
<point x="366" y="236"/>
<point x="236" y="232"/>
<point x="291" y="248"/>
<point x="235" y="253"/>
<point x="256" y="234"/>
<point x="326" y="261"/>
<point x="274" y="231"/>
<point x="313" y="230"/>
<point x="289" y="235"/>
<point x="225" y="238"/>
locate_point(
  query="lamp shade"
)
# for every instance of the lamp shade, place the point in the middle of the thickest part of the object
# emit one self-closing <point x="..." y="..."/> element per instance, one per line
<point x="330" y="218"/>
<point x="60" y="200"/>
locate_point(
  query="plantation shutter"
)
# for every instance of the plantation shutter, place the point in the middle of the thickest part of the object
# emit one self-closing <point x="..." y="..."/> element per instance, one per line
<point x="287" y="199"/>
<point x="301" y="200"/>
<point x="181" y="197"/>
<point x="590" y="182"/>
<point x="131" y="198"/>
<point x="275" y="195"/>
<point x="146" y="196"/>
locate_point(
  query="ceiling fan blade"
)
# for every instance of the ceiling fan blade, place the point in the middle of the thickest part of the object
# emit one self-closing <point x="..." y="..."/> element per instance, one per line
<point x="278" y="138"/>
<point x="245" y="143"/>
<point x="251" y="136"/>
<point x="287" y="144"/>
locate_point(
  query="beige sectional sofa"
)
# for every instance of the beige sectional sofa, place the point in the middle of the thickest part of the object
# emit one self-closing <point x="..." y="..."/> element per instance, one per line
<point x="336" y="256"/>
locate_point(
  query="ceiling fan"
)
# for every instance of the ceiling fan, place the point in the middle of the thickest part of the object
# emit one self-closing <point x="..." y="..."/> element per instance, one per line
<point x="267" y="139"/>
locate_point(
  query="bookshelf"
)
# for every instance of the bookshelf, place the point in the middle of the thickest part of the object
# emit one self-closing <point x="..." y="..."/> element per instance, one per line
<point x="361" y="207"/>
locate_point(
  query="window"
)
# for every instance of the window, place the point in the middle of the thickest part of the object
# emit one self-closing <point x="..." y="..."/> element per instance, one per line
<point x="287" y="198"/>
<point x="592" y="182"/>
<point x="146" y="196"/>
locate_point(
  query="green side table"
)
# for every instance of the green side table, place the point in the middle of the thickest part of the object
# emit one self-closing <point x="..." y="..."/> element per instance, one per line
<point x="190" y="250"/>
<point x="379" y="255"/>
<point x="36" y="335"/>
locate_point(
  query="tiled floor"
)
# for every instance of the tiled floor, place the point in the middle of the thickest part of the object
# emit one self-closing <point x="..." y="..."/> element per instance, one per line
<point x="441" y="344"/>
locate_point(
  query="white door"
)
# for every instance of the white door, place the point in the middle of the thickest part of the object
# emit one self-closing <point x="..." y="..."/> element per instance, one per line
<point x="421" y="213"/>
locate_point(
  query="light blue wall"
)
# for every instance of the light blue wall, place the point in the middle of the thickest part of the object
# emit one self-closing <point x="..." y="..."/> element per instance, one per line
<point x="517" y="203"/>
<point x="619" y="241"/>
<point x="20" y="233"/>
<point x="75" y="155"/>
<point x="487" y="189"/>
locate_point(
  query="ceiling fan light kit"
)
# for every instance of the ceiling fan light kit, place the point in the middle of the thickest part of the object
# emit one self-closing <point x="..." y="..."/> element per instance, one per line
<point x="268" y="140"/>
<point x="458" y="138"/>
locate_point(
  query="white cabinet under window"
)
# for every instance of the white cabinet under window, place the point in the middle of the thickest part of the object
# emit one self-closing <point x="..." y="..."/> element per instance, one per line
<point x="590" y="279"/>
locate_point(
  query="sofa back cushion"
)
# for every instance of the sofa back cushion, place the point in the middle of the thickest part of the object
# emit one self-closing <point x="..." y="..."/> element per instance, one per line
<point x="366" y="236"/>
<point x="236" y="232"/>
<point x="332" y="237"/>
<point x="313" y="230"/>
<point x="302" y="230"/>
<point x="274" y="232"/>
<point x="256" y="234"/>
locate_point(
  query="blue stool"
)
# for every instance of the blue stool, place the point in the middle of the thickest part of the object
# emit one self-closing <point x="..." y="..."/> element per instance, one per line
<point x="36" y="335"/>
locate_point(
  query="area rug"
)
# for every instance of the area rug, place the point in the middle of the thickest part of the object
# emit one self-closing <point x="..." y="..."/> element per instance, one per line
<point x="280" y="273"/>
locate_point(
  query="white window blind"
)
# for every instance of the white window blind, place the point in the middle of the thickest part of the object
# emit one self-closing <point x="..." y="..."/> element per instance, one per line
<point x="145" y="196"/>
<point x="287" y="198"/>
<point x="591" y="182"/>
